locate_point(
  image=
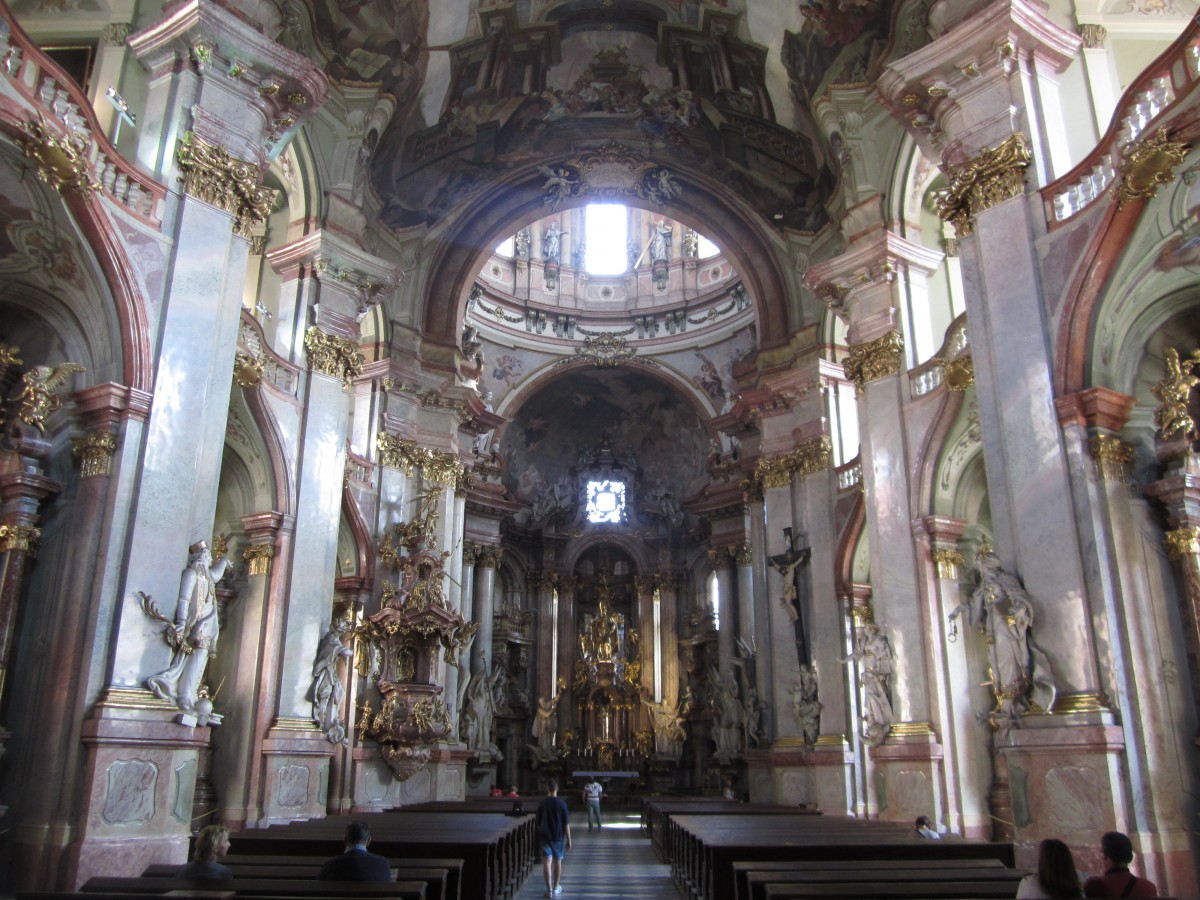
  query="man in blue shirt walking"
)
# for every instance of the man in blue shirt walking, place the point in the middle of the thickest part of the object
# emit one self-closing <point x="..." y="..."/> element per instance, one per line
<point x="554" y="834"/>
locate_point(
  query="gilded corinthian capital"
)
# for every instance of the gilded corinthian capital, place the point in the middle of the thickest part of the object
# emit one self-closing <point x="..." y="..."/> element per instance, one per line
<point x="211" y="174"/>
<point x="332" y="355"/>
<point x="95" y="452"/>
<point x="875" y="359"/>
<point x="812" y="456"/>
<point x="995" y="175"/>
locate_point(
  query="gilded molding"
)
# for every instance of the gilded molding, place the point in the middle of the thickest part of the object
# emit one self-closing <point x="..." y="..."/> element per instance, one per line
<point x="115" y="34"/>
<point x="1147" y="164"/>
<point x="913" y="729"/>
<point x="949" y="562"/>
<point x="717" y="559"/>
<point x="1093" y="35"/>
<point x="995" y="175"/>
<point x="742" y="553"/>
<point x="248" y="370"/>
<point x="95" y="453"/>
<point x="24" y="538"/>
<point x="470" y="553"/>
<point x="438" y="466"/>
<point x="211" y="174"/>
<point x="258" y="557"/>
<point x="606" y="351"/>
<point x="62" y="162"/>
<point x="332" y="355"/>
<point x="875" y="359"/>
<point x="861" y="612"/>
<point x="1084" y="702"/>
<point x="958" y="374"/>
<point x="1181" y="543"/>
<point x="491" y="556"/>
<point x="810" y="457"/>
<point x="1113" y="457"/>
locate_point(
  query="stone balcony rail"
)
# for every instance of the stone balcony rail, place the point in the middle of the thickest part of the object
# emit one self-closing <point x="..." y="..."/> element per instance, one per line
<point x="50" y="93"/>
<point x="277" y="372"/>
<point x="1147" y="102"/>
<point x="931" y="374"/>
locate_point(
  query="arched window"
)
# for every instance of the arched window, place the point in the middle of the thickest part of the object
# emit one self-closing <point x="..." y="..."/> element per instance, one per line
<point x="606" y="234"/>
<point x="714" y="600"/>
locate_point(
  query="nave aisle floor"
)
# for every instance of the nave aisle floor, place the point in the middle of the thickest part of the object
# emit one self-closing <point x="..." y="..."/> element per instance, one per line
<point x="615" y="863"/>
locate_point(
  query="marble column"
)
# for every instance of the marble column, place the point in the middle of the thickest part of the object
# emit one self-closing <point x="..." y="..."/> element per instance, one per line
<point x="955" y="683"/>
<point x="471" y="552"/>
<point x="490" y="558"/>
<point x="250" y="687"/>
<point x="995" y="127"/>
<point x="743" y="557"/>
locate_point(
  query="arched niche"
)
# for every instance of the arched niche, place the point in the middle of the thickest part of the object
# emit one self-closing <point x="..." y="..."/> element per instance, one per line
<point x="464" y="242"/>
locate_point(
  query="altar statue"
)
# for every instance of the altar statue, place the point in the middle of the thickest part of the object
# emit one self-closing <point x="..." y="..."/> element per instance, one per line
<point x="196" y="630"/>
<point x="1020" y="671"/>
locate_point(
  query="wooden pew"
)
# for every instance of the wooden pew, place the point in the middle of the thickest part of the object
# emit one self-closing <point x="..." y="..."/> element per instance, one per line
<point x="436" y="879"/>
<point x="885" y="877"/>
<point x="707" y="846"/>
<point x="257" y="862"/>
<point x="656" y="815"/>
<point x="489" y="845"/>
<point x="783" y="870"/>
<point x="262" y="887"/>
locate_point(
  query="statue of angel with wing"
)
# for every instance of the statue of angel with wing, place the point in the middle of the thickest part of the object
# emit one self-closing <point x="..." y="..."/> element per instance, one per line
<point x="37" y="396"/>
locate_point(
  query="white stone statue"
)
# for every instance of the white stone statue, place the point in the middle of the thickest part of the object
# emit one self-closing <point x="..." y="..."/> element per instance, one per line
<point x="479" y="714"/>
<point x="873" y="652"/>
<point x="1020" y="671"/>
<point x="753" y="713"/>
<point x="328" y="689"/>
<point x="667" y="723"/>
<point x="551" y="242"/>
<point x="196" y="630"/>
<point x="658" y="242"/>
<point x="545" y="724"/>
<point x="729" y="720"/>
<point x="805" y="706"/>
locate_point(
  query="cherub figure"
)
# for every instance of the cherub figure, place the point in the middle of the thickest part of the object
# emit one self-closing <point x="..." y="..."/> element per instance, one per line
<point x="37" y="397"/>
<point x="1173" y="393"/>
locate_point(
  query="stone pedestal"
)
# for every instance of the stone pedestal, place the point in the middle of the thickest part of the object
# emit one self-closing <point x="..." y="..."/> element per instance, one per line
<point x="141" y="768"/>
<point x="790" y="774"/>
<point x="296" y="755"/>
<point x="377" y="788"/>
<point x="908" y="775"/>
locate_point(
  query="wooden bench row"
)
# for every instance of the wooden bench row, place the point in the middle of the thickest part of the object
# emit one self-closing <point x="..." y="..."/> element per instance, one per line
<point x="496" y="849"/>
<point x="702" y="849"/>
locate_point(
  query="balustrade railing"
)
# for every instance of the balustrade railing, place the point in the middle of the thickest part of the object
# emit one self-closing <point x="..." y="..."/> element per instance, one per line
<point x="277" y="371"/>
<point x="67" y="114"/>
<point x="1169" y="77"/>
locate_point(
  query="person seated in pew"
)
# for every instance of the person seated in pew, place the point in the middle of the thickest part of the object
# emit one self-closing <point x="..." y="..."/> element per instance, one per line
<point x="512" y="792"/>
<point x="211" y="842"/>
<point x="496" y="791"/>
<point x="1055" y="876"/>
<point x="1116" y="851"/>
<point x="357" y="863"/>
<point x="925" y="829"/>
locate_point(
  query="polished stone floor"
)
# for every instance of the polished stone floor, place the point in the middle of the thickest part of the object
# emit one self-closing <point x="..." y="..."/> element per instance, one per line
<point x="614" y="863"/>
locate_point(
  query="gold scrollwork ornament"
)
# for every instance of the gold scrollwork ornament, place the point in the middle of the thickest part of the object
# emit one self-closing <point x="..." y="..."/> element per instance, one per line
<point x="1113" y="457"/>
<point x="872" y="360"/>
<point x="1182" y="543"/>
<point x="210" y="173"/>
<point x="995" y="175"/>
<point x="95" y="453"/>
<point x="333" y="355"/>
<point x="1147" y="164"/>
<point x="62" y="161"/>
<point x="20" y="537"/>
<point x="248" y="370"/>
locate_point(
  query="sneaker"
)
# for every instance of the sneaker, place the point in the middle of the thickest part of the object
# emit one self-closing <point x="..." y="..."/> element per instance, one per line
<point x="549" y="893"/>
<point x="558" y="889"/>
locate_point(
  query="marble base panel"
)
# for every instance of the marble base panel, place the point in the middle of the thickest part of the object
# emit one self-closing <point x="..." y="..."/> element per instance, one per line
<point x="376" y="786"/>
<point x="1065" y="782"/>
<point x="296" y="785"/>
<point x="794" y="776"/>
<point x="140" y="783"/>
<point x="908" y="779"/>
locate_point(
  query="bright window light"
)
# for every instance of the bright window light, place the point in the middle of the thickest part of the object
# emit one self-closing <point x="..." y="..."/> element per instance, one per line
<point x="605" y="501"/>
<point x="706" y="248"/>
<point x="506" y="248"/>
<point x="606" y="234"/>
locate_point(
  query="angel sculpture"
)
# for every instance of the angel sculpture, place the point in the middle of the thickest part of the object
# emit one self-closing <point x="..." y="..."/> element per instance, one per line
<point x="37" y="397"/>
<point x="1173" y="393"/>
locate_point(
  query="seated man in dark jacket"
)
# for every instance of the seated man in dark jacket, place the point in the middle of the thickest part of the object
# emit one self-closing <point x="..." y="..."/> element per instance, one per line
<point x="356" y="864"/>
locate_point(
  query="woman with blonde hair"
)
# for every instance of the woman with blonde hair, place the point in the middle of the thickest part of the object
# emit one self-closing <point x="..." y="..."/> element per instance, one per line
<point x="211" y="842"/>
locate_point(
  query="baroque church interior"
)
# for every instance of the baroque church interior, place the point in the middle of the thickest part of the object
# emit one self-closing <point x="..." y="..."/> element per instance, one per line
<point x="402" y="398"/>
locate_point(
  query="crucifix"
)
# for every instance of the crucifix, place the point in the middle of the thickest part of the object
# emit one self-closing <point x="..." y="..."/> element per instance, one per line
<point x="795" y="589"/>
